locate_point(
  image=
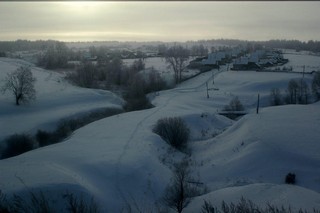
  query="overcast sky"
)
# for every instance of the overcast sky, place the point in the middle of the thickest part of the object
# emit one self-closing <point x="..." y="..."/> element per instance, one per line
<point x="162" y="21"/>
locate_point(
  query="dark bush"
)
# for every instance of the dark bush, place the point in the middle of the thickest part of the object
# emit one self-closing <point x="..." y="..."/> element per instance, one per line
<point x="139" y="103"/>
<point x="17" y="144"/>
<point x="174" y="131"/>
<point x="290" y="178"/>
<point x="43" y="138"/>
<point x="234" y="105"/>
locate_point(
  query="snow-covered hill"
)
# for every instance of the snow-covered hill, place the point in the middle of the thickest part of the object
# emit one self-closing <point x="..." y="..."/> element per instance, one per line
<point x="56" y="99"/>
<point x="120" y="161"/>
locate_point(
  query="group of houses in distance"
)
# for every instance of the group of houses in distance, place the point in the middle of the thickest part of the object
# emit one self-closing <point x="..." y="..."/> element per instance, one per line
<point x="256" y="60"/>
<point x="259" y="59"/>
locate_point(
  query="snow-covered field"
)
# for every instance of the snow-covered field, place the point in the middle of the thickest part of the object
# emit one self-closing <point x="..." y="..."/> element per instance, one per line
<point x="301" y="61"/>
<point x="120" y="161"/>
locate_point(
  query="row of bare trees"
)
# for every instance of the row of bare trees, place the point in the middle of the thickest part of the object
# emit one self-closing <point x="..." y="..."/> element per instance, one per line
<point x="297" y="92"/>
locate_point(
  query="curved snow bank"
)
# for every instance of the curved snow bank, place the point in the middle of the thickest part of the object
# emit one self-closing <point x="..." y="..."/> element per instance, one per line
<point x="261" y="194"/>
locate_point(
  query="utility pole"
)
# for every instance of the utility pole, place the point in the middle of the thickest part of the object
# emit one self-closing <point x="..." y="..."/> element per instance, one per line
<point x="207" y="90"/>
<point x="258" y="103"/>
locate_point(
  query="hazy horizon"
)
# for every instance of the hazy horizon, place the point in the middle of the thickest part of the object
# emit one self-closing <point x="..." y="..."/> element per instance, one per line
<point x="159" y="21"/>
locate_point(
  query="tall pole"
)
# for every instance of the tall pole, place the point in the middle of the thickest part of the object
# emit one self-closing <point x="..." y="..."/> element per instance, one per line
<point x="258" y="103"/>
<point x="207" y="90"/>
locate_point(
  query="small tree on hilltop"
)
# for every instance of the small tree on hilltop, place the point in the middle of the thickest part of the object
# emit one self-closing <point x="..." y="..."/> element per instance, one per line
<point x="21" y="84"/>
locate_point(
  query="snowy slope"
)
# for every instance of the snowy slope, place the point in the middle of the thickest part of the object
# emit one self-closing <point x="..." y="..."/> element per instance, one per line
<point x="56" y="99"/>
<point x="262" y="194"/>
<point x="264" y="148"/>
<point x="120" y="161"/>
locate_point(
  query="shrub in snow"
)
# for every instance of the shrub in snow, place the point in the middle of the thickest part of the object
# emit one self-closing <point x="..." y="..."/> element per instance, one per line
<point x="41" y="203"/>
<point x="43" y="138"/>
<point x="207" y="207"/>
<point x="234" y="105"/>
<point x="290" y="178"/>
<point x="17" y="144"/>
<point x="174" y="131"/>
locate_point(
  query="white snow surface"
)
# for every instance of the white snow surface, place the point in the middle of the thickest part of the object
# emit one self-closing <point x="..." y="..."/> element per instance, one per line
<point x="56" y="99"/>
<point x="119" y="160"/>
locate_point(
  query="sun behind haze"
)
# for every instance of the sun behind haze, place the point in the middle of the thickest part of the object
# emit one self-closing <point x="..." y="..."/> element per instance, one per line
<point x="165" y="21"/>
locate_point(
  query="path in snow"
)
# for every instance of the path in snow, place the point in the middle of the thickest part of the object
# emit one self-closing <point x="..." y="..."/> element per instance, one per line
<point x="173" y="94"/>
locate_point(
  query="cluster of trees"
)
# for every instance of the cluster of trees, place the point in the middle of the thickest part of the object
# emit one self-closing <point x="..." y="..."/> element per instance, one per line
<point x="55" y="56"/>
<point x="297" y="92"/>
<point x="112" y="73"/>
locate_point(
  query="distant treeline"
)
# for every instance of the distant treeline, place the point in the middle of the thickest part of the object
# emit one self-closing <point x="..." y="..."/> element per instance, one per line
<point x="313" y="46"/>
<point x="26" y="45"/>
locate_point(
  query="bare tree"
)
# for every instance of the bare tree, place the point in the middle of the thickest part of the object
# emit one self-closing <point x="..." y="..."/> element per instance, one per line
<point x="21" y="84"/>
<point x="303" y="92"/>
<point x="177" y="58"/>
<point x="292" y="91"/>
<point x="180" y="192"/>
<point x="275" y="97"/>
